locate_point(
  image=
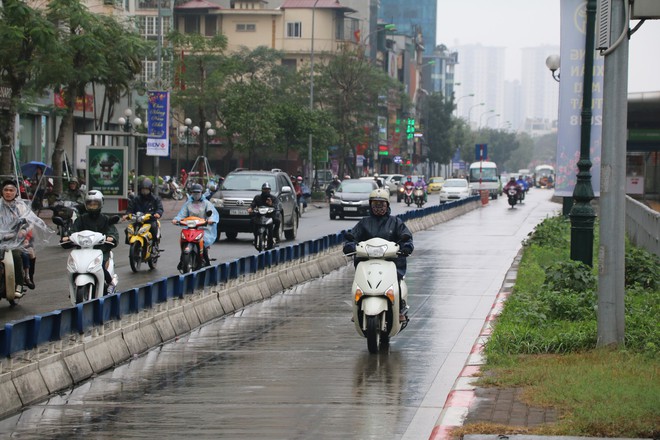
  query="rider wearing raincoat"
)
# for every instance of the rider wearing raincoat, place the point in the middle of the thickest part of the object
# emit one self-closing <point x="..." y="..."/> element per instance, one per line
<point x="14" y="211"/>
<point x="198" y="206"/>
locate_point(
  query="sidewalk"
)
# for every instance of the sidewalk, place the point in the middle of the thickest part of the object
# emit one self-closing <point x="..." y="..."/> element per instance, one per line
<point x="468" y="404"/>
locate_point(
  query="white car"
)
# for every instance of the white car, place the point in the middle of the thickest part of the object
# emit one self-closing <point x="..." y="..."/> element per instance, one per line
<point x="454" y="189"/>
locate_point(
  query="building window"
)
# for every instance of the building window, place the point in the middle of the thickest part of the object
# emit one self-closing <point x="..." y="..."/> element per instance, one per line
<point x="294" y="30"/>
<point x="191" y="24"/>
<point x="149" y="26"/>
<point x="211" y="26"/>
<point x="246" y="27"/>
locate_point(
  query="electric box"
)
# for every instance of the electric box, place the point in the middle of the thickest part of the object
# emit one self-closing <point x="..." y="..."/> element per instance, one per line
<point x="649" y="9"/>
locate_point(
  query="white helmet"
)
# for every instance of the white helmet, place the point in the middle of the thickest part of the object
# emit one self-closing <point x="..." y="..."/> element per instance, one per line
<point x="379" y="194"/>
<point x="94" y="201"/>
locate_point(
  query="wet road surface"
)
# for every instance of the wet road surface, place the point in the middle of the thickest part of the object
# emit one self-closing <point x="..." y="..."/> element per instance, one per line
<point x="293" y="367"/>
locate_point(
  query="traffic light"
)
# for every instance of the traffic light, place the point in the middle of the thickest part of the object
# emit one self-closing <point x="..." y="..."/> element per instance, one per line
<point x="383" y="150"/>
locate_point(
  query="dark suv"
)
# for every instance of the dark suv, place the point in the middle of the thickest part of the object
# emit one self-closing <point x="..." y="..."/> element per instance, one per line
<point x="236" y="193"/>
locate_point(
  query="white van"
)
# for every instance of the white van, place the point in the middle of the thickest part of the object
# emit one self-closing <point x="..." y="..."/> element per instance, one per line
<point x="484" y="176"/>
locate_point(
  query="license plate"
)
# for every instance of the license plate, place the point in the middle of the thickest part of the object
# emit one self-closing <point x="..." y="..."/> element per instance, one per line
<point x="238" y="212"/>
<point x="350" y="208"/>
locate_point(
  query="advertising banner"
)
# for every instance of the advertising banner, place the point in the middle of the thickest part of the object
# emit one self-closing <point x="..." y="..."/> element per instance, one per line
<point x="573" y="42"/>
<point x="108" y="170"/>
<point x="158" y="115"/>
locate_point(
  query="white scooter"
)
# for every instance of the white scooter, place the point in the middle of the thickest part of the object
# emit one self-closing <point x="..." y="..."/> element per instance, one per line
<point x="376" y="293"/>
<point x="85" y="265"/>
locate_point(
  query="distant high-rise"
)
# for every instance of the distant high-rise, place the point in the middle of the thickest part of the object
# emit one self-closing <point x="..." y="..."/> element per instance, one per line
<point x="480" y="72"/>
<point x="540" y="93"/>
<point x="407" y="16"/>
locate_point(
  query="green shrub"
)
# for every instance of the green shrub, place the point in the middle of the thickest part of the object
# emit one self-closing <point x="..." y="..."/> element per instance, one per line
<point x="642" y="268"/>
<point x="570" y="275"/>
<point x="570" y="305"/>
<point x="553" y="232"/>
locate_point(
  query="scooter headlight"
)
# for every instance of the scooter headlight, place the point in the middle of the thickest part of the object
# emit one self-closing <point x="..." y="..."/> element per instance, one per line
<point x="358" y="294"/>
<point x="95" y="265"/>
<point x="144" y="229"/>
<point x="71" y="264"/>
<point x="389" y="293"/>
<point x="130" y="229"/>
<point x="376" y="251"/>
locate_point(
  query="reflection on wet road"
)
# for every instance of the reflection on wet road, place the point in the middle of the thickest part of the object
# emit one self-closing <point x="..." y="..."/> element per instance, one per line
<point x="293" y="367"/>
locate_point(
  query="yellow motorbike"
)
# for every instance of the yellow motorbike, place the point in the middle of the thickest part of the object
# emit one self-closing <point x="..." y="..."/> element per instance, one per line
<point x="140" y="241"/>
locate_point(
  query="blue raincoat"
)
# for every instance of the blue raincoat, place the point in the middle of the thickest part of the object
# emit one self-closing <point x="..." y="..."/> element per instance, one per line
<point x="199" y="209"/>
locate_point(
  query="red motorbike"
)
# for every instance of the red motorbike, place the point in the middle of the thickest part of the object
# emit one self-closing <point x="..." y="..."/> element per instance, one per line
<point x="408" y="194"/>
<point x="192" y="245"/>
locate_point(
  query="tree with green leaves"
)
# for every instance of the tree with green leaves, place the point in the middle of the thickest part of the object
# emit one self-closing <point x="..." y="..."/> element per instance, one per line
<point x="348" y="90"/>
<point x="25" y="33"/>
<point x="89" y="49"/>
<point x="437" y="126"/>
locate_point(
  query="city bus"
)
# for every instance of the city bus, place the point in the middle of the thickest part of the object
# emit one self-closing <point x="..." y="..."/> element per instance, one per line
<point x="484" y="175"/>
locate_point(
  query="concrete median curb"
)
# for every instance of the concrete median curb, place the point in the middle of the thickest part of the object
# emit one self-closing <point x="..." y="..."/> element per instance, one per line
<point x="32" y="376"/>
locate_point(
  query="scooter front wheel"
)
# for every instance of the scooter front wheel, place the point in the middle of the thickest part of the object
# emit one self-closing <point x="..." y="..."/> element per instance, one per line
<point x="135" y="256"/>
<point x="373" y="334"/>
<point x="84" y="293"/>
<point x="188" y="262"/>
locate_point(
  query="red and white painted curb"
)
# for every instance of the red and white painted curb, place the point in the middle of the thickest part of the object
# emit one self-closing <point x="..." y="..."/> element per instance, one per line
<point x="462" y="396"/>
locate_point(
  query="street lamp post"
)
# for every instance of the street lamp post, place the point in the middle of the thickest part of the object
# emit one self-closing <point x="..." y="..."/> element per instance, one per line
<point x="582" y="214"/>
<point x="187" y="130"/>
<point x="128" y="125"/>
<point x="482" y="115"/>
<point x="553" y="63"/>
<point x="491" y="117"/>
<point x="471" y="95"/>
<point x="470" y="112"/>
<point x="310" y="169"/>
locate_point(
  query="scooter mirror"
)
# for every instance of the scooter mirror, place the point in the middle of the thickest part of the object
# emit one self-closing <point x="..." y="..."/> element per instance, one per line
<point x="113" y="219"/>
<point x="209" y="213"/>
<point x="58" y="221"/>
<point x="348" y="236"/>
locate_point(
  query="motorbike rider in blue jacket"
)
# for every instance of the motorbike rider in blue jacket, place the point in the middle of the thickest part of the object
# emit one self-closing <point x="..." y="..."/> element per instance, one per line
<point x="380" y="223"/>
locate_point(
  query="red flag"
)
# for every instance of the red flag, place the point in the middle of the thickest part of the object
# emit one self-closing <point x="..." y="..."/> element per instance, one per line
<point x="356" y="34"/>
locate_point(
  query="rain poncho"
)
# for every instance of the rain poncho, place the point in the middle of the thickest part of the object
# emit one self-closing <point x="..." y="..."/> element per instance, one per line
<point x="198" y="209"/>
<point x="15" y="216"/>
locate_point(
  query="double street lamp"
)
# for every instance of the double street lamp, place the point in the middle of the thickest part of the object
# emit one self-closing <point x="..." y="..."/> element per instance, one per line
<point x="485" y="113"/>
<point x="187" y="131"/>
<point x="128" y="126"/>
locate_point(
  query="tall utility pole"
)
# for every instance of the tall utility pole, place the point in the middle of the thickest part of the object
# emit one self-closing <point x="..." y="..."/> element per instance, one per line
<point x="310" y="166"/>
<point x="611" y="261"/>
<point x="159" y="47"/>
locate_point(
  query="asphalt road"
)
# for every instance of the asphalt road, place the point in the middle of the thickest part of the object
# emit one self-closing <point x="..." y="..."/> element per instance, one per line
<point x="52" y="292"/>
<point x="294" y="367"/>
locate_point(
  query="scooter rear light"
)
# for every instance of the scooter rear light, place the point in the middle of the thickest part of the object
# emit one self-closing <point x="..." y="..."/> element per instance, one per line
<point x="358" y="294"/>
<point x="390" y="294"/>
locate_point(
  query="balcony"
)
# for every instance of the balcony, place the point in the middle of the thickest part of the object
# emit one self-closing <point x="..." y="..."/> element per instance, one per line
<point x="153" y="4"/>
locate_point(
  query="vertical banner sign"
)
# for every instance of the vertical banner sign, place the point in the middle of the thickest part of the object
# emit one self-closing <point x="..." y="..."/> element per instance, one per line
<point x="158" y="114"/>
<point x="108" y="170"/>
<point x="480" y="152"/>
<point x="573" y="33"/>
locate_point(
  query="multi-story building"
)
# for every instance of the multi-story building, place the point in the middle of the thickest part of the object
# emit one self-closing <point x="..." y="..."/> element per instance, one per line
<point x="411" y="16"/>
<point x="480" y="72"/>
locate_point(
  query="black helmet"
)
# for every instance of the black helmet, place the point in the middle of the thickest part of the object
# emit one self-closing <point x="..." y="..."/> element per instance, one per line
<point x="146" y="184"/>
<point x="196" y="191"/>
<point x="265" y="186"/>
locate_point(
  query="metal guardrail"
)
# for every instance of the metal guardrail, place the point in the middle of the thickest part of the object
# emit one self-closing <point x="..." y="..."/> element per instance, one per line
<point x="31" y="332"/>
<point x="643" y="226"/>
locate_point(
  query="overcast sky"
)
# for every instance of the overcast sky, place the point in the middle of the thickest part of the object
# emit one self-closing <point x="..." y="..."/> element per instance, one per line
<point x="515" y="24"/>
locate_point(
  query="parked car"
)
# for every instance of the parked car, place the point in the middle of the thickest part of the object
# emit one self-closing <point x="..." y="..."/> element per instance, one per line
<point x="435" y="184"/>
<point x="235" y="195"/>
<point x="454" y="189"/>
<point x="352" y="198"/>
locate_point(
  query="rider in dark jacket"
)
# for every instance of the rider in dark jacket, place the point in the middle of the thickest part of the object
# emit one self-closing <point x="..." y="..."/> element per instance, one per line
<point x="380" y="223"/>
<point x="267" y="199"/>
<point x="94" y="220"/>
<point x="147" y="203"/>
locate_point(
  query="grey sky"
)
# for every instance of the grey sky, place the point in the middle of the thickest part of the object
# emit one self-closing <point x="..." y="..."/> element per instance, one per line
<point x="515" y="24"/>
